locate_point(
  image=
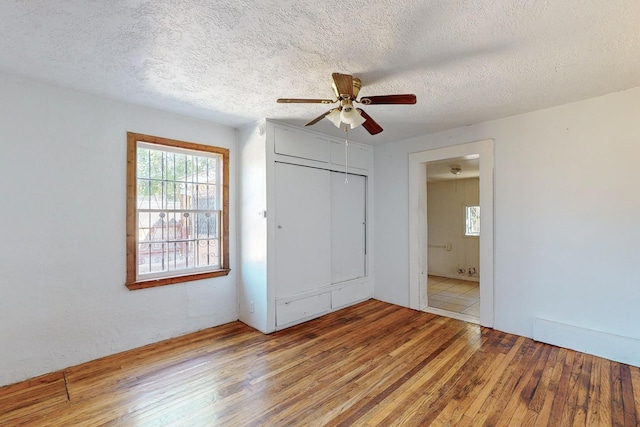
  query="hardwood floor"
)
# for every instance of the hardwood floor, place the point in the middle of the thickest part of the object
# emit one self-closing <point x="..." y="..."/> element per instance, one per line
<point x="371" y="364"/>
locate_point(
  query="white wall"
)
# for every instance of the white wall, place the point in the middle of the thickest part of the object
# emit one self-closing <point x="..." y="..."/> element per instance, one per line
<point x="446" y="202"/>
<point x="62" y="257"/>
<point x="252" y="279"/>
<point x="566" y="216"/>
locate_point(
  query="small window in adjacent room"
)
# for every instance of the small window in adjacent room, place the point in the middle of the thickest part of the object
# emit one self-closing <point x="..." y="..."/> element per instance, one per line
<point x="472" y="221"/>
<point x="177" y="211"/>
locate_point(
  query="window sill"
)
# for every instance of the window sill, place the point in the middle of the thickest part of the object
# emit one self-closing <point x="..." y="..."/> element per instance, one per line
<point x="144" y="284"/>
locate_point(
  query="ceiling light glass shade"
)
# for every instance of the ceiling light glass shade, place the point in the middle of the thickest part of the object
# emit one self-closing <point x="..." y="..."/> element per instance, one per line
<point x="334" y="116"/>
<point x="351" y="116"/>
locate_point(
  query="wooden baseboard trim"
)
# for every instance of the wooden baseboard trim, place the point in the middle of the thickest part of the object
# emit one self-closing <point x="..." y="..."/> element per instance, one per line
<point x="45" y="391"/>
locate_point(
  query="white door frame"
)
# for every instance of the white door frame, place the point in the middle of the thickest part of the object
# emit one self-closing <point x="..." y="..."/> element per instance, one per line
<point x="418" y="248"/>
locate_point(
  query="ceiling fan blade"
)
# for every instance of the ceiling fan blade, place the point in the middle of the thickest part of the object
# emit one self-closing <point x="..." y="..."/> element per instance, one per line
<point x="317" y="119"/>
<point x="370" y="125"/>
<point x="344" y="84"/>
<point x="389" y="99"/>
<point x="304" y="101"/>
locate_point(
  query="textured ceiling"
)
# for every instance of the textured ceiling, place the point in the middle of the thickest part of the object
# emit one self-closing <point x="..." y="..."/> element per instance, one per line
<point x="228" y="60"/>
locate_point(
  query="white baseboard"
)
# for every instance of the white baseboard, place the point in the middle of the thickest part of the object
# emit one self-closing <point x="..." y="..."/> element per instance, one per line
<point x="458" y="276"/>
<point x="602" y="344"/>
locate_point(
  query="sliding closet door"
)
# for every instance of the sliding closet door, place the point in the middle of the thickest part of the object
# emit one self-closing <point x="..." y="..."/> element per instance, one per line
<point x="348" y="228"/>
<point x="303" y="224"/>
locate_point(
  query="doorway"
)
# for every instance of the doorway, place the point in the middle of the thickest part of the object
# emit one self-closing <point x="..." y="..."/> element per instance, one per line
<point x="453" y="236"/>
<point x="482" y="152"/>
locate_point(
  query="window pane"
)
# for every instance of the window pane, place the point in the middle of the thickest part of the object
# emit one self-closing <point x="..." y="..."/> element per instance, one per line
<point x="212" y="172"/>
<point x="170" y="164"/>
<point x="143" y="194"/>
<point x="207" y="253"/>
<point x="189" y="254"/>
<point x="188" y="173"/>
<point x="472" y="221"/>
<point x="180" y="166"/>
<point x="201" y="174"/>
<point x="156" y="164"/>
<point x="152" y="257"/>
<point x="207" y="225"/>
<point x="143" y="163"/>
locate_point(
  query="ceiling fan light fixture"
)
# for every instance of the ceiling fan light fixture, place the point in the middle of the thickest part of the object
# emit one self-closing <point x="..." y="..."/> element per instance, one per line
<point x="350" y="115"/>
<point x="357" y="120"/>
<point x="334" y="116"/>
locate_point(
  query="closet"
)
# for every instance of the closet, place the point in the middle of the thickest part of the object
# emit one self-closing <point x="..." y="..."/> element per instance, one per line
<point x="303" y="225"/>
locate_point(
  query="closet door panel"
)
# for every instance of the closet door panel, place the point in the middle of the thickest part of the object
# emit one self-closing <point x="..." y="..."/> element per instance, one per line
<point x="348" y="227"/>
<point x="303" y="224"/>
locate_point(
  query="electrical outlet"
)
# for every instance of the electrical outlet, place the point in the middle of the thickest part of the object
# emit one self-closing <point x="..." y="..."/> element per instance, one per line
<point x="252" y="307"/>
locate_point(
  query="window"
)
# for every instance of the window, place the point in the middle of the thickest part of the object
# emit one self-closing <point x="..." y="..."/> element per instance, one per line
<point x="177" y="211"/>
<point x="472" y="221"/>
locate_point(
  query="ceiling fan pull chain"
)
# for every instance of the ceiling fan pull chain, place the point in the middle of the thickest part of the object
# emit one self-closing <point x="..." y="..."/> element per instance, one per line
<point x="346" y="155"/>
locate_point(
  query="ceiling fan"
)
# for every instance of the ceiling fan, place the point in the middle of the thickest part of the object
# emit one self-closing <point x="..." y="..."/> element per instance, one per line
<point x="346" y="89"/>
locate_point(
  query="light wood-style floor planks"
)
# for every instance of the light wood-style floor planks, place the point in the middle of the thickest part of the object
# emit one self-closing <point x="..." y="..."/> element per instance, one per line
<point x="373" y="364"/>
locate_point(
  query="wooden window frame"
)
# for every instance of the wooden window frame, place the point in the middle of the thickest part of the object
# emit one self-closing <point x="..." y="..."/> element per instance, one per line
<point x="131" y="224"/>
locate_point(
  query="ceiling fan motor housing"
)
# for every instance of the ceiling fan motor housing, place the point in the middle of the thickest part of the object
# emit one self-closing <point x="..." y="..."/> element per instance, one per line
<point x="346" y="105"/>
<point x="357" y="85"/>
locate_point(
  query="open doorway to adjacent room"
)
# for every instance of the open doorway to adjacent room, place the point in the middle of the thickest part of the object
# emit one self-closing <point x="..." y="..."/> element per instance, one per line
<point x="451" y="231"/>
<point x="453" y="236"/>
